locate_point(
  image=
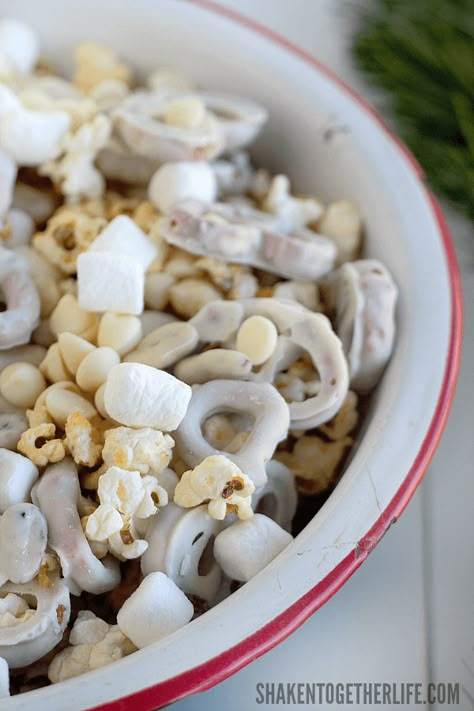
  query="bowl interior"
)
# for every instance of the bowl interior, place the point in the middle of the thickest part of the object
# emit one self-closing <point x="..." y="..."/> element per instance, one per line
<point x="331" y="147"/>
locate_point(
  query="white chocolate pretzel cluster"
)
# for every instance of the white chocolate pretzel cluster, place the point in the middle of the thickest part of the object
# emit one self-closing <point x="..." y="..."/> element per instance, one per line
<point x="183" y="341"/>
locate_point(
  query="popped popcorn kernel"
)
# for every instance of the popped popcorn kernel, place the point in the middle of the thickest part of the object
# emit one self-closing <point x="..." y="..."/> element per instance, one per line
<point x="81" y="440"/>
<point x="145" y="449"/>
<point x="40" y="445"/>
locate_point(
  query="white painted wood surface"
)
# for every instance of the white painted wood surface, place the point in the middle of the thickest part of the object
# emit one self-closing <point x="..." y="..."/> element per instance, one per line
<point x="408" y="612"/>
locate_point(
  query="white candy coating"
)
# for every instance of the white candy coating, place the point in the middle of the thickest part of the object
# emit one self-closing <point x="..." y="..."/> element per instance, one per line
<point x="123" y="236"/>
<point x="110" y="282"/>
<point x="4" y="679"/>
<point x="17" y="476"/>
<point x="23" y="539"/>
<point x="246" y="547"/>
<point x="7" y="179"/>
<point x="138" y="395"/>
<point x="178" y="181"/>
<point x="33" y="137"/>
<point x="155" y="610"/>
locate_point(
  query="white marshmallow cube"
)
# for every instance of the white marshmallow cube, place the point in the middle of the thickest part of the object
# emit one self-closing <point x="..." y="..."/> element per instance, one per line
<point x="19" y="45"/>
<point x="33" y="137"/>
<point x="178" y="181"/>
<point x="155" y="610"/>
<point x="246" y="547"/>
<point x="17" y="476"/>
<point x="123" y="236"/>
<point x="138" y="395"/>
<point x="110" y="282"/>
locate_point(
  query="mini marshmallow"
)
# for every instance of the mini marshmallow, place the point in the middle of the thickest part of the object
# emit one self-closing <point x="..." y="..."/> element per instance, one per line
<point x="178" y="181"/>
<point x="22" y="384"/>
<point x="155" y="610"/>
<point x="17" y="476"/>
<point x="33" y="137"/>
<point x="110" y="282"/>
<point x="93" y="369"/>
<point x="246" y="547"/>
<point x="123" y="236"/>
<point x="257" y="337"/>
<point x="19" y="45"/>
<point x="73" y="350"/>
<point x="120" y="332"/>
<point x="138" y="395"/>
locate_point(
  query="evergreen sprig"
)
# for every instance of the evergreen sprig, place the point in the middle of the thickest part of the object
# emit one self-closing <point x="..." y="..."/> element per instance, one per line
<point x="422" y="53"/>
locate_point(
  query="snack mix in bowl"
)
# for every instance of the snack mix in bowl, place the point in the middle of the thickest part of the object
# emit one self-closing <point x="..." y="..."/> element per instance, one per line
<point x="186" y="345"/>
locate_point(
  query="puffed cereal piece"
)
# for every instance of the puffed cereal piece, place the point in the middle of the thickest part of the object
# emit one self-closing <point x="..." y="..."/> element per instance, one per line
<point x="21" y="384"/>
<point x="244" y="548"/>
<point x="188" y="296"/>
<point x="81" y="440"/>
<point x="155" y="610"/>
<point x="73" y="350"/>
<point x="68" y="234"/>
<point x="219" y="481"/>
<point x="53" y="367"/>
<point x="121" y="332"/>
<point x="94" y="368"/>
<point x="39" y="445"/>
<point x="110" y="282"/>
<point x="145" y="450"/>
<point x="70" y="316"/>
<point x="95" y="63"/>
<point x="61" y="403"/>
<point x="342" y="223"/>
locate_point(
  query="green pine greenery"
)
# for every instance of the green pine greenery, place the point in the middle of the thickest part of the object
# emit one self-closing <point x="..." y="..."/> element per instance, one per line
<point x="422" y="53"/>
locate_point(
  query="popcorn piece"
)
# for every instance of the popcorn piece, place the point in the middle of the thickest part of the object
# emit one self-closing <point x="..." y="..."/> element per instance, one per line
<point x="19" y="45"/>
<point x="39" y="445"/>
<point x="110" y="282"/>
<point x="21" y="384"/>
<point x="109" y="93"/>
<point x="345" y="420"/>
<point x="33" y="137"/>
<point x="73" y="350"/>
<point x="122" y="236"/>
<point x="61" y="403"/>
<point x="138" y="395"/>
<point x="220" y="481"/>
<point x="14" y="611"/>
<point x="80" y="658"/>
<point x="17" y="476"/>
<point x="95" y="63"/>
<point x="94" y="368"/>
<point x="120" y="332"/>
<point x="70" y="316"/>
<point x="126" y="544"/>
<point x="293" y="212"/>
<point x="342" y="223"/>
<point x="155" y="610"/>
<point x="246" y="547"/>
<point x="38" y="416"/>
<point x="188" y="296"/>
<point x="257" y="337"/>
<point x="121" y="489"/>
<point x="103" y="522"/>
<point x="88" y="629"/>
<point x="145" y="450"/>
<point x="81" y="440"/>
<point x="68" y="234"/>
<point x="75" y="171"/>
<point x="180" y="180"/>
<point x="315" y="462"/>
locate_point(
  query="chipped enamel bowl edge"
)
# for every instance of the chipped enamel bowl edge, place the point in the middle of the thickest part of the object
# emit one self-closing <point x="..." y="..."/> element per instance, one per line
<point x="354" y="156"/>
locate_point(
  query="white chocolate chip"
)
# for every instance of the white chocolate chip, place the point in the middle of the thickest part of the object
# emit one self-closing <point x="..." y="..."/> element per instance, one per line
<point x="93" y="369"/>
<point x="22" y="384"/>
<point x="257" y="337"/>
<point x="186" y="112"/>
<point x="73" y="350"/>
<point x="70" y="316"/>
<point x="61" y="403"/>
<point x="53" y="367"/>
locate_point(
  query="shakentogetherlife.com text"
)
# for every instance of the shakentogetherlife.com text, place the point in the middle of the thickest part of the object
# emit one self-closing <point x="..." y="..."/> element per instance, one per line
<point x="354" y="693"/>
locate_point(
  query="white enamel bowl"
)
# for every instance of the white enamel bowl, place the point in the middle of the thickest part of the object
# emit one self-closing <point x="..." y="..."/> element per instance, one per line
<point x="356" y="158"/>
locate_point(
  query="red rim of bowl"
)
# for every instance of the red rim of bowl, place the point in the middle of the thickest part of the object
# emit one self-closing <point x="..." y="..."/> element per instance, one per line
<point x="218" y="668"/>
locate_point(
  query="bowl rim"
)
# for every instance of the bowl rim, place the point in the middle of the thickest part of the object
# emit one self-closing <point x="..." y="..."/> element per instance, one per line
<point x="218" y="668"/>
